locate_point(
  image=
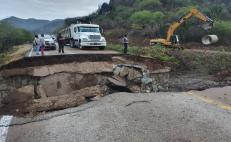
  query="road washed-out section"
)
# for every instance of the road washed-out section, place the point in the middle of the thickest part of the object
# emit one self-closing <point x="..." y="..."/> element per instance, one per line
<point x="42" y="84"/>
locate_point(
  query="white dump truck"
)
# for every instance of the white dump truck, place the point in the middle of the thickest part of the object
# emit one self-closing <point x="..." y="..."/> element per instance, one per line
<point x="84" y="35"/>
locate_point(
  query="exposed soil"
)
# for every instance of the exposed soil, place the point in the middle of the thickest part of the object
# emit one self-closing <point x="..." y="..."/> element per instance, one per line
<point x="41" y="84"/>
<point x="196" y="80"/>
<point x="213" y="47"/>
<point x="52" y="83"/>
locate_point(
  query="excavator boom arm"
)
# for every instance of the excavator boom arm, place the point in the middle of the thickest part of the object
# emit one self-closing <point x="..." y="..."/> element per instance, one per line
<point x="193" y="12"/>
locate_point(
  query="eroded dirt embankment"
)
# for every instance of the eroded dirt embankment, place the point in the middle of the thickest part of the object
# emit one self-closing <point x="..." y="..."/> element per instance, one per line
<point x="200" y="69"/>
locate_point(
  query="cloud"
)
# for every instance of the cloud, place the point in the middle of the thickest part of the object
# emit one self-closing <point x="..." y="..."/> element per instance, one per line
<point x="48" y="9"/>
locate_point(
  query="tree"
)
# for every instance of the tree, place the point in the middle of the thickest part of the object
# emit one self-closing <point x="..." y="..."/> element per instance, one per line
<point x="148" y="4"/>
<point x="158" y="17"/>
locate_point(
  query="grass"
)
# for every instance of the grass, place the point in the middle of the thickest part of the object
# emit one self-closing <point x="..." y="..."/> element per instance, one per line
<point x="156" y="52"/>
<point x="208" y="62"/>
<point x="18" y="52"/>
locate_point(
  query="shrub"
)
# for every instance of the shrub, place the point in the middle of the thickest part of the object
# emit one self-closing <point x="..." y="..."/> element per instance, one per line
<point x="142" y="18"/>
<point x="223" y="30"/>
<point x="146" y="18"/>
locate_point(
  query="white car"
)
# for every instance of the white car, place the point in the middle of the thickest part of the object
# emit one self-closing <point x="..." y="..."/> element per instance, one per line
<point x="49" y="42"/>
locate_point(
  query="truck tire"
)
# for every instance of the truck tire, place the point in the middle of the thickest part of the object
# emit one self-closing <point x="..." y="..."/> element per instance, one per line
<point x="101" y="48"/>
<point x="79" y="45"/>
<point x="72" y="44"/>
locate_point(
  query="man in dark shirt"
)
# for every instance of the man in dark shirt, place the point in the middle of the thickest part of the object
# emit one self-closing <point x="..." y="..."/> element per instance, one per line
<point x="60" y="40"/>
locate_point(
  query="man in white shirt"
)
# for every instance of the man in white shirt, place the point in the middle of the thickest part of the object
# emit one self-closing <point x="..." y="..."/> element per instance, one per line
<point x="37" y="44"/>
<point x="42" y="44"/>
<point x="125" y="42"/>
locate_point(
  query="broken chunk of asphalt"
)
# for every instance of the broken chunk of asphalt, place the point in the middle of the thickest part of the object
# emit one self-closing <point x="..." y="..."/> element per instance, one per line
<point x="117" y="84"/>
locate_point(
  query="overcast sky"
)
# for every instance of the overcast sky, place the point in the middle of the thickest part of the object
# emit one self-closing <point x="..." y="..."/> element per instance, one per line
<point x="47" y="9"/>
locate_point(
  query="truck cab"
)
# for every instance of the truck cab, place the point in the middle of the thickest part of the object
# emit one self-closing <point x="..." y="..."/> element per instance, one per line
<point x="86" y="35"/>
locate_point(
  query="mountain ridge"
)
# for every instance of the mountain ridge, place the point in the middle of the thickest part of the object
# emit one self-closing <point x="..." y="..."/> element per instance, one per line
<point x="35" y="25"/>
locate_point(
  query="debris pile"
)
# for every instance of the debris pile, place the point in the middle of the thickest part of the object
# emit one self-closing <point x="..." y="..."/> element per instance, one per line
<point x="135" y="78"/>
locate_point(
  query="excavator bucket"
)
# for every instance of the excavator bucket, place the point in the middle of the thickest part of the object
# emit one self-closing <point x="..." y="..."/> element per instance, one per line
<point x="207" y="26"/>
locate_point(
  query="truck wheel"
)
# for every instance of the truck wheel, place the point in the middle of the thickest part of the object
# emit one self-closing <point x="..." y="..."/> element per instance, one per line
<point x="72" y="43"/>
<point x="79" y="45"/>
<point x="101" y="48"/>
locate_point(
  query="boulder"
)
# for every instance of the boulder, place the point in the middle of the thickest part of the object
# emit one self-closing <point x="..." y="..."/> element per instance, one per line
<point x="117" y="81"/>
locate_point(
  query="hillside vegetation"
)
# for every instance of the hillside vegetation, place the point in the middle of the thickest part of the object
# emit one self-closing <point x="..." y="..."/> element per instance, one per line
<point x="145" y="19"/>
<point x="10" y="36"/>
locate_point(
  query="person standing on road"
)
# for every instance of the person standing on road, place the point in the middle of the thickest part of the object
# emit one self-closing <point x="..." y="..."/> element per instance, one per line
<point x="125" y="42"/>
<point x="36" y="44"/>
<point x="60" y="40"/>
<point x="42" y="44"/>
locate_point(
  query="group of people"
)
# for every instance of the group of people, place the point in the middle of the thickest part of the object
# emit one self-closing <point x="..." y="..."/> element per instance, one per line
<point x="39" y="44"/>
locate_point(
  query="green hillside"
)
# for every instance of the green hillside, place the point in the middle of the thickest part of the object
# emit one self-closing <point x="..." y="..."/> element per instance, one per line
<point x="145" y="19"/>
<point x="10" y="36"/>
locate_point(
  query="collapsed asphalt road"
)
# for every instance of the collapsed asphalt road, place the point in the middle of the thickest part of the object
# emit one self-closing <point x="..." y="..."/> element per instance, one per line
<point x="159" y="117"/>
<point x="162" y="117"/>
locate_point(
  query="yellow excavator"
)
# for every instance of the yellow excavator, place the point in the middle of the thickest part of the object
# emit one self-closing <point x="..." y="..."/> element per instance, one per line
<point x="208" y="24"/>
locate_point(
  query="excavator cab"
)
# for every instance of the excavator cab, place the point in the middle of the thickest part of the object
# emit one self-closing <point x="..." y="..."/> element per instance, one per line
<point x="175" y="39"/>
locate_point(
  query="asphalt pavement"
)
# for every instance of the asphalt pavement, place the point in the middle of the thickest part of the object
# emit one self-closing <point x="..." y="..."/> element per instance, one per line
<point x="123" y="117"/>
<point x="70" y="51"/>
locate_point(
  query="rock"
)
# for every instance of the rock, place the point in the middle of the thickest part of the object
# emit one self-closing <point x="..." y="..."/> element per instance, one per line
<point x="146" y="80"/>
<point x="28" y="90"/>
<point x="155" y="88"/>
<point x="134" y="75"/>
<point x="117" y="81"/>
<point x="41" y="92"/>
<point x="54" y="103"/>
<point x="124" y="72"/>
<point x="164" y="70"/>
<point x="24" y="82"/>
<point x="3" y="86"/>
<point x="117" y="71"/>
<point x="91" y="92"/>
<point x="135" y="88"/>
